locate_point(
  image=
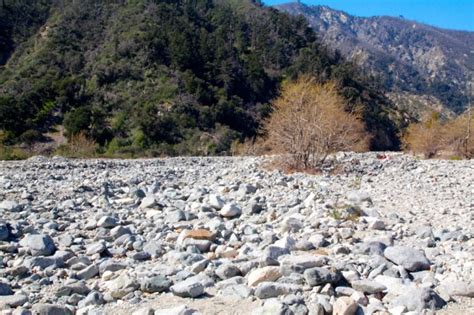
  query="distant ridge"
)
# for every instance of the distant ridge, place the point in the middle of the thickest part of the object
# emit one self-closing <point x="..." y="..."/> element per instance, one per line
<point x="422" y="66"/>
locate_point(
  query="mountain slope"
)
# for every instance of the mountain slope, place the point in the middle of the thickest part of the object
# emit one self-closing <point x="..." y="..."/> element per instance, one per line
<point x="417" y="62"/>
<point x="174" y="77"/>
<point x="19" y="21"/>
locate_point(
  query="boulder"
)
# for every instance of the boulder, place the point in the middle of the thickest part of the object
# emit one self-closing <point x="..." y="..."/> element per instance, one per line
<point x="93" y="298"/>
<point x="190" y="287"/>
<point x="144" y="311"/>
<point x="409" y="258"/>
<point x="88" y="272"/>
<point x="10" y="205"/>
<point x="368" y="286"/>
<point x="230" y="210"/>
<point x="148" y="202"/>
<point x="272" y="307"/>
<point x="107" y="222"/>
<point x="121" y="286"/>
<point x="96" y="248"/>
<point x="267" y="290"/>
<point x="50" y="309"/>
<point x="226" y="271"/>
<point x="5" y="289"/>
<point x="4" y="232"/>
<point x="265" y="274"/>
<point x="417" y="299"/>
<point x="216" y="202"/>
<point x="39" y="244"/>
<point x="458" y="288"/>
<point x="345" y="306"/>
<point x="12" y="300"/>
<point x="319" y="276"/>
<point x="155" y="284"/>
<point x="153" y="248"/>
<point x="199" y="234"/>
<point x="299" y="263"/>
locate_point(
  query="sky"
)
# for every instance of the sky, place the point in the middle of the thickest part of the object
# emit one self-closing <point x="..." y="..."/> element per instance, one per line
<point x="451" y="14"/>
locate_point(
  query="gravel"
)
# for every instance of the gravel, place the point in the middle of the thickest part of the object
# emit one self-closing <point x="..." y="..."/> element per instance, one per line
<point x="380" y="233"/>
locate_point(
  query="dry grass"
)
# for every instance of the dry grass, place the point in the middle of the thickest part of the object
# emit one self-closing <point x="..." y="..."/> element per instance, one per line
<point x="250" y="147"/>
<point x="78" y="146"/>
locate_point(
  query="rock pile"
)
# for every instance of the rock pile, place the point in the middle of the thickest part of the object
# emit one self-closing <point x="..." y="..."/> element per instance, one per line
<point x="379" y="236"/>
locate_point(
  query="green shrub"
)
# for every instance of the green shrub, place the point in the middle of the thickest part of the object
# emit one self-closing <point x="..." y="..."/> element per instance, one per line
<point x="77" y="120"/>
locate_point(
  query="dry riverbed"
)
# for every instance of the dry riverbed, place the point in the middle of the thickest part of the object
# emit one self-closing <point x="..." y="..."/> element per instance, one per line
<point x="385" y="234"/>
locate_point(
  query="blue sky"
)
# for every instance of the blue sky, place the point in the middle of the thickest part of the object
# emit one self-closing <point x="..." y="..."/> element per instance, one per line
<point x="452" y="14"/>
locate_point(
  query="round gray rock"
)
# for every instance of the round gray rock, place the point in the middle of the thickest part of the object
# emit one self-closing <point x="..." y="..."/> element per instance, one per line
<point x="4" y="232"/>
<point x="409" y="258"/>
<point x="227" y="271"/>
<point x="318" y="276"/>
<point x="50" y="309"/>
<point x="420" y="298"/>
<point x="368" y="286"/>
<point x="5" y="289"/>
<point x="39" y="244"/>
<point x="155" y="284"/>
<point x="10" y="205"/>
<point x="188" y="288"/>
<point x="230" y="210"/>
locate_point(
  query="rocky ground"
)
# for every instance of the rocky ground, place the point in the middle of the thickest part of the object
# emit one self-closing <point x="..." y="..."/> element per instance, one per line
<point x="384" y="234"/>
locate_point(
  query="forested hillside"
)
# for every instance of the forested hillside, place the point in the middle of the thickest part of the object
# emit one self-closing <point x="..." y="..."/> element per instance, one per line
<point x="168" y="77"/>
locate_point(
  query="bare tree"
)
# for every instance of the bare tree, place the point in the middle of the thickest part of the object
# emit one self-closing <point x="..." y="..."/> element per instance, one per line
<point x="425" y="137"/>
<point x="434" y="138"/>
<point x="309" y="122"/>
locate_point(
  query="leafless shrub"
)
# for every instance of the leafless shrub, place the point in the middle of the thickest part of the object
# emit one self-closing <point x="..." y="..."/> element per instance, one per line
<point x="309" y="122"/>
<point x="434" y="138"/>
<point x="80" y="146"/>
<point x="424" y="137"/>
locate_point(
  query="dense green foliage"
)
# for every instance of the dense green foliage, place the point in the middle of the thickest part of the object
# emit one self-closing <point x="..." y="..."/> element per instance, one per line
<point x="168" y="76"/>
<point x="19" y="19"/>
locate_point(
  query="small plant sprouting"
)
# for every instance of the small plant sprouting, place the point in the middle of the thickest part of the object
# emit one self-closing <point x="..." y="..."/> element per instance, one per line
<point x="346" y="212"/>
<point x="357" y="182"/>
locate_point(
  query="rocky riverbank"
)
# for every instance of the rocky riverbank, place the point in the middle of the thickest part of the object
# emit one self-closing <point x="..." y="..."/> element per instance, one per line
<point x="384" y="234"/>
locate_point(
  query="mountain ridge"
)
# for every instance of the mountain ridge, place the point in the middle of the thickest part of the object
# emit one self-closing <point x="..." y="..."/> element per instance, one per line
<point x="408" y="57"/>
